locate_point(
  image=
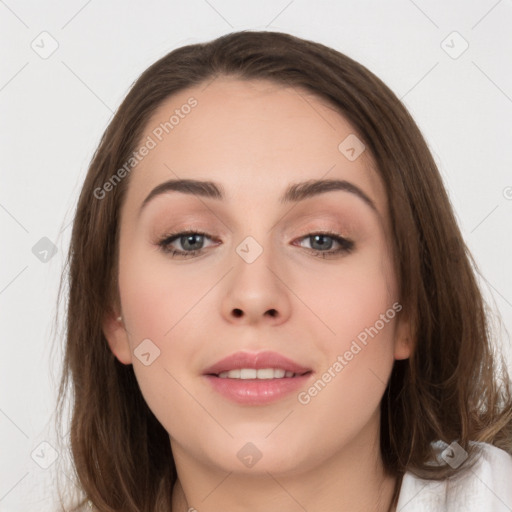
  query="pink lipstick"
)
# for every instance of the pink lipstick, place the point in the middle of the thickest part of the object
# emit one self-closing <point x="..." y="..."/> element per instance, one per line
<point x="256" y="378"/>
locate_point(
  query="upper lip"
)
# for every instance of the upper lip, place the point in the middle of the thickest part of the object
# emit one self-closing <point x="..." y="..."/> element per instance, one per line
<point x="257" y="360"/>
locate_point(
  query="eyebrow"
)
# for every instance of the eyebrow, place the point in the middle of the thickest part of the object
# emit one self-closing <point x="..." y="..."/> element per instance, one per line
<point x="294" y="193"/>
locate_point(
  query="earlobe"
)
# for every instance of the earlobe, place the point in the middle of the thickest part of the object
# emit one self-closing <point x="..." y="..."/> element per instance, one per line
<point x="402" y="348"/>
<point x="403" y="340"/>
<point x="117" y="337"/>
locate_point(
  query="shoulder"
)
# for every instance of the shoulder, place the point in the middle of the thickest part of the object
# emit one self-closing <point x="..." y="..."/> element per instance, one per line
<point x="485" y="487"/>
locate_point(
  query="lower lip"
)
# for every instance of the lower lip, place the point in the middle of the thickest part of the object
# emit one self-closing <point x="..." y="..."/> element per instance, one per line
<point x="257" y="391"/>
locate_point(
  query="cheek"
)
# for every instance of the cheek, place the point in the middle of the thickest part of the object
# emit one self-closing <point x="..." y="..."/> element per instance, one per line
<point x="155" y="294"/>
<point x="352" y="296"/>
<point x="357" y="305"/>
<point x="160" y="303"/>
<point x="159" y="307"/>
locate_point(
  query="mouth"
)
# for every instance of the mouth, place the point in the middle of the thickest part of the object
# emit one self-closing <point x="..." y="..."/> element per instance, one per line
<point x="258" y="374"/>
<point x="258" y="365"/>
<point x="256" y="378"/>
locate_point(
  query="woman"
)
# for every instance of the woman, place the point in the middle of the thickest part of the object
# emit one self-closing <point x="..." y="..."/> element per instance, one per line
<point x="271" y="306"/>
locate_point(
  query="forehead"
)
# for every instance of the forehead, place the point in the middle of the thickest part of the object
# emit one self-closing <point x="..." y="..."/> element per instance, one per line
<point x="253" y="137"/>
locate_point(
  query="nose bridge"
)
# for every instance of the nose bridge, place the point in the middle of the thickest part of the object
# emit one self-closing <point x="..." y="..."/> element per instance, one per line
<point x="255" y="257"/>
<point x="254" y="231"/>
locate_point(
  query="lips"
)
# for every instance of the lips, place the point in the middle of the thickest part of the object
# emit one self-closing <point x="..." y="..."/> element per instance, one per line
<point x="257" y="361"/>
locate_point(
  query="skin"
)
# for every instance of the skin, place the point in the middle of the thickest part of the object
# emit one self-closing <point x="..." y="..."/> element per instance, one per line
<point x="255" y="138"/>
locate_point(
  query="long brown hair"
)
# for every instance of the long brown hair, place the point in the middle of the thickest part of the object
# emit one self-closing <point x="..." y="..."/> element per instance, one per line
<point x="447" y="390"/>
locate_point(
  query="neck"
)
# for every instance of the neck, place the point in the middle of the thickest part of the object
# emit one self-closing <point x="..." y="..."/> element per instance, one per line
<point x="353" y="479"/>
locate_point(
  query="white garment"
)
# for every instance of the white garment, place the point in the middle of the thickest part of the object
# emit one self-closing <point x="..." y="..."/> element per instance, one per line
<point x="487" y="487"/>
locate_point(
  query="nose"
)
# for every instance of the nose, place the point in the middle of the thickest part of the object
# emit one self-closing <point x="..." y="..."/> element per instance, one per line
<point x="256" y="291"/>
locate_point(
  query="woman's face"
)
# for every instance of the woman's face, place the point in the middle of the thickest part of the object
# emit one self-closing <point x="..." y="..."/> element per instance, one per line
<point x="263" y="279"/>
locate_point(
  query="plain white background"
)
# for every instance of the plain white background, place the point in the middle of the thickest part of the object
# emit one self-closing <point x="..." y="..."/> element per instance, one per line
<point x="55" y="107"/>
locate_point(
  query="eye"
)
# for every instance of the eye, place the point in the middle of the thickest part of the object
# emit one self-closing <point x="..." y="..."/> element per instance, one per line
<point x="191" y="242"/>
<point x="321" y="244"/>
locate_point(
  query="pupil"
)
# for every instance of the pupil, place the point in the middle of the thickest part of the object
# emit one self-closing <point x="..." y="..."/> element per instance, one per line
<point x="322" y="245"/>
<point x="189" y="238"/>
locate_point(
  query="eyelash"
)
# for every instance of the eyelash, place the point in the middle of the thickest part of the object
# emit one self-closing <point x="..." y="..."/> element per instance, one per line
<point x="346" y="245"/>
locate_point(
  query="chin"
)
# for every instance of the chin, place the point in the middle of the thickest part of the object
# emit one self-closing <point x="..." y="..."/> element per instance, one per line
<point x="257" y="458"/>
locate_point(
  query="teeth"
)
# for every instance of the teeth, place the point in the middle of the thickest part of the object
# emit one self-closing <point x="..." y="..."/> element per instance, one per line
<point x="278" y="373"/>
<point x="252" y="373"/>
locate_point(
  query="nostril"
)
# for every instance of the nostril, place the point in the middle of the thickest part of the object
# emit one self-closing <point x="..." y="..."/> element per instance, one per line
<point x="237" y="312"/>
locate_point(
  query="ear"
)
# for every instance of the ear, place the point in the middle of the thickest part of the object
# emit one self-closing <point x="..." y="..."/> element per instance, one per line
<point x="117" y="337"/>
<point x="403" y="338"/>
